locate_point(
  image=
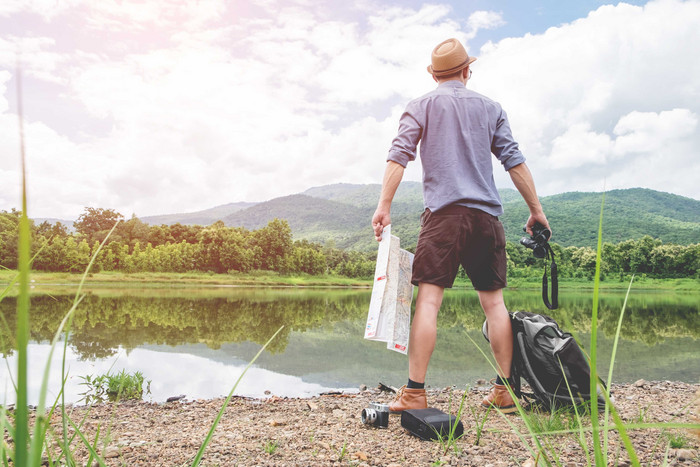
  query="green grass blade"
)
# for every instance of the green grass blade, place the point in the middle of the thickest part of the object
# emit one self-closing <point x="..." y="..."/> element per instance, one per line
<point x="13" y="281"/>
<point x="579" y="418"/>
<point x="5" y="426"/>
<point x="599" y="456"/>
<point x="7" y="289"/>
<point x="207" y="440"/>
<point x="21" y="411"/>
<point x="93" y="452"/>
<point x="9" y="373"/>
<point x="612" y="363"/>
<point x="622" y="431"/>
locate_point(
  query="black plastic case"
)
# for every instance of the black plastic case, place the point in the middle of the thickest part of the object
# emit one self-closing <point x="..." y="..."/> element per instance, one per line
<point x="430" y="424"/>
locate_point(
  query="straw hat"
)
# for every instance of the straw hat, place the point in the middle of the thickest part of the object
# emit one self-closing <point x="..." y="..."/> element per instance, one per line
<point x="449" y="57"/>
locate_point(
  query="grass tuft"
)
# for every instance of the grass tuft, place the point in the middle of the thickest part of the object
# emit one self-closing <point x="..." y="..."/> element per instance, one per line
<point x="114" y="387"/>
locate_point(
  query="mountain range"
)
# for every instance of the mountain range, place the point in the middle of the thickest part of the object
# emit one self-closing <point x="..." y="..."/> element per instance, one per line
<point x="341" y="214"/>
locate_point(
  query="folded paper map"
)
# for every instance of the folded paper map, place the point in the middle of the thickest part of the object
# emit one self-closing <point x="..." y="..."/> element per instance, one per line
<point x="389" y="316"/>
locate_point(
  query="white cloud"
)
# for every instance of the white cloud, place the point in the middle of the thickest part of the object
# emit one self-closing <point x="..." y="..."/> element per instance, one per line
<point x="390" y="58"/>
<point x="649" y="132"/>
<point x="46" y="9"/>
<point x="203" y="103"/>
<point x="4" y="78"/>
<point x="579" y="146"/>
<point x="484" y="20"/>
<point x="585" y="94"/>
<point x="33" y="56"/>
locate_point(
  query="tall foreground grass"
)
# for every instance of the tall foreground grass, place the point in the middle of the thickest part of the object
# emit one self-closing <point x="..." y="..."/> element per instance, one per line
<point x="44" y="446"/>
<point x="594" y="438"/>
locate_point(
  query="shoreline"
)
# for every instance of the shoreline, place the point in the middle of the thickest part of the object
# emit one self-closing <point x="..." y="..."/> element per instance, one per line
<point x="327" y="430"/>
<point x="271" y="279"/>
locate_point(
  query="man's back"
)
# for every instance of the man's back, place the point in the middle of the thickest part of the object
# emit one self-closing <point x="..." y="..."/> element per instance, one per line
<point x="458" y="129"/>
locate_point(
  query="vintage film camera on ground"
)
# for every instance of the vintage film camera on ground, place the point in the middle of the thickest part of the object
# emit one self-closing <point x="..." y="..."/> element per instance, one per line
<point x="376" y="414"/>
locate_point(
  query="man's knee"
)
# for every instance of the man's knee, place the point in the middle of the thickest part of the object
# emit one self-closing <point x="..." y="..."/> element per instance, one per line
<point x="491" y="300"/>
<point x="429" y="296"/>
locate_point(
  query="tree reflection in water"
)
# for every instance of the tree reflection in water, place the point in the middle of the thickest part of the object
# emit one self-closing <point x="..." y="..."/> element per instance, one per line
<point x="107" y="320"/>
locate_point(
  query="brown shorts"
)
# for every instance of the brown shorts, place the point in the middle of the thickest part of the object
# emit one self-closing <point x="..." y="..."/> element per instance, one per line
<point x="457" y="235"/>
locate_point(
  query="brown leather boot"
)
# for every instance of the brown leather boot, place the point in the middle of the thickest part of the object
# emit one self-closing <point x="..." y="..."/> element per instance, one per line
<point x="408" y="398"/>
<point x="500" y="398"/>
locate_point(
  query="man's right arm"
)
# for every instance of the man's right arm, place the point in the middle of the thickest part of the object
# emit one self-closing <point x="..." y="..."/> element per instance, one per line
<point x="523" y="181"/>
<point x="382" y="216"/>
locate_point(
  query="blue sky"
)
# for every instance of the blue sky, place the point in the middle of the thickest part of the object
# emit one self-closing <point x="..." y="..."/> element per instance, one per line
<point x="175" y="106"/>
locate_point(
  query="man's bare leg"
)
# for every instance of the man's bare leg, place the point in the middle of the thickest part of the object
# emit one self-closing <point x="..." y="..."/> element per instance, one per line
<point x="423" y="330"/>
<point x="500" y="330"/>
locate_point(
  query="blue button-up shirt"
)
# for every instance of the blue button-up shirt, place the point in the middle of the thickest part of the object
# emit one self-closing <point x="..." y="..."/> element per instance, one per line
<point x="458" y="130"/>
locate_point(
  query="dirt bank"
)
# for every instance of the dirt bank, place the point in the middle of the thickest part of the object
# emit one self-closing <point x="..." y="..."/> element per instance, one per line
<point x="327" y="430"/>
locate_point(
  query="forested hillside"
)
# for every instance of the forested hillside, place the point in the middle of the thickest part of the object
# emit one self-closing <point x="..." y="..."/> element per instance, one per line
<point x="628" y="214"/>
<point x="341" y="213"/>
<point x="206" y="217"/>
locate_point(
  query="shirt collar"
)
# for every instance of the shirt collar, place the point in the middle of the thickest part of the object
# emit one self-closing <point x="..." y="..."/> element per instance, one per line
<point x="453" y="83"/>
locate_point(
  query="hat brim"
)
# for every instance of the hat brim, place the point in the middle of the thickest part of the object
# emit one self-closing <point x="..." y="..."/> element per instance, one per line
<point x="451" y="70"/>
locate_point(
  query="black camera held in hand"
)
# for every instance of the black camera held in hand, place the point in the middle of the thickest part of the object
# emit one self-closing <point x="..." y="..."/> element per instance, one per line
<point x="538" y="242"/>
<point x="376" y="414"/>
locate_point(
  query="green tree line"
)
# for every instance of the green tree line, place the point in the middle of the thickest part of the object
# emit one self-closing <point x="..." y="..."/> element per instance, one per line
<point x="138" y="247"/>
<point x="647" y="256"/>
<point x="135" y="246"/>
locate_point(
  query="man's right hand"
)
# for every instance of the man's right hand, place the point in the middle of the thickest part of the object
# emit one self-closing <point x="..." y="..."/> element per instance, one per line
<point x="392" y="177"/>
<point x="538" y="217"/>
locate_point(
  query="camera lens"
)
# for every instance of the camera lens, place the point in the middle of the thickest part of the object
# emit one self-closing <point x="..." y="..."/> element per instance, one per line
<point x="369" y="416"/>
<point x="539" y="251"/>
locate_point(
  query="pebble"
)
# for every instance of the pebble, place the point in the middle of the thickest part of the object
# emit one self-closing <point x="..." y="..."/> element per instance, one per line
<point x="312" y="405"/>
<point x="684" y="454"/>
<point x="111" y="452"/>
<point x="363" y="456"/>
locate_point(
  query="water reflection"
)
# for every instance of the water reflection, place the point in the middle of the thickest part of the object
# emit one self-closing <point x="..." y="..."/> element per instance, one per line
<point x="196" y="342"/>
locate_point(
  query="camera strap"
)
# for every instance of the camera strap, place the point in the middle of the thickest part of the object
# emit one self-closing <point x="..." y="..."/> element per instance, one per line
<point x="555" y="281"/>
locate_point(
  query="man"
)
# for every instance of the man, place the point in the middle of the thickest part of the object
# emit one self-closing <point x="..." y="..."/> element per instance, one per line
<point x="458" y="130"/>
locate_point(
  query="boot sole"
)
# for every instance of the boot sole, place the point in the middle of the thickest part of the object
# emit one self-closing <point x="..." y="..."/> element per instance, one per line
<point x="398" y="412"/>
<point x="505" y="410"/>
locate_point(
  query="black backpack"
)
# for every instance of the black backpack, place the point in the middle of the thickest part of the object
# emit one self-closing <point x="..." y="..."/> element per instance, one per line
<point x="539" y="345"/>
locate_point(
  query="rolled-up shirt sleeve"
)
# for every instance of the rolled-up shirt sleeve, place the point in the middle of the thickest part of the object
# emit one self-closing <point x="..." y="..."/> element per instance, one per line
<point x="503" y="146"/>
<point x="403" y="148"/>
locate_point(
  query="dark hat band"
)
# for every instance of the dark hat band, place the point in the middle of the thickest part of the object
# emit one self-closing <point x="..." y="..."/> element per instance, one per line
<point x="454" y="68"/>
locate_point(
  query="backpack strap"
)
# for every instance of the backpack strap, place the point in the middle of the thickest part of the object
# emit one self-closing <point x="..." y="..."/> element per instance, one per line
<point x="555" y="281"/>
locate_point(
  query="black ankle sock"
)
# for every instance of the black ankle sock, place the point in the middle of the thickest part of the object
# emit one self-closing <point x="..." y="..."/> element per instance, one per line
<point x="413" y="385"/>
<point x="502" y="382"/>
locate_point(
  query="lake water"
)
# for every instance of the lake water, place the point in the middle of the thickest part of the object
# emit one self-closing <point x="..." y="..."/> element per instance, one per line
<point x="196" y="342"/>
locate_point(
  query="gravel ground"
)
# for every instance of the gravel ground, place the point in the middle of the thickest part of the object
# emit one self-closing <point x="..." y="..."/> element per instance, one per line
<point x="327" y="430"/>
